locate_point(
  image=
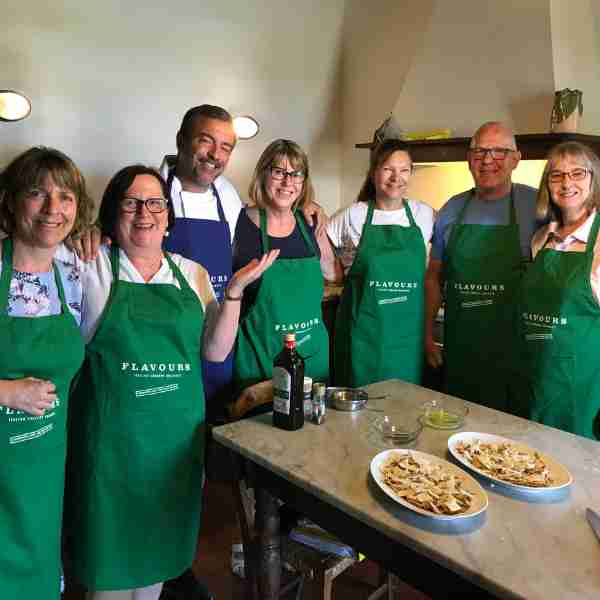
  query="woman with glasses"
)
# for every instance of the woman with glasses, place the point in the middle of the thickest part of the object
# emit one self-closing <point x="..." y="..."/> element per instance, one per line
<point x="559" y="303"/>
<point x="382" y="241"/>
<point x="42" y="200"/>
<point x="135" y="454"/>
<point x="287" y="298"/>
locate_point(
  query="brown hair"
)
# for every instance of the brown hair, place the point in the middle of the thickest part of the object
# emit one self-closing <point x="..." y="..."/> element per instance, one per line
<point x="110" y="208"/>
<point x="278" y="150"/>
<point x="379" y="155"/>
<point x="29" y="170"/>
<point x="581" y="153"/>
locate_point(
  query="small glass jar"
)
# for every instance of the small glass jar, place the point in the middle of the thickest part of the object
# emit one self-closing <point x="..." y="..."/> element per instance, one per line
<point x="308" y="383"/>
<point x="318" y="403"/>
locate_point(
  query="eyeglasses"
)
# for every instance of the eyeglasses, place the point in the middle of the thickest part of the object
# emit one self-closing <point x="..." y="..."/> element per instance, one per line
<point x="495" y="153"/>
<point x="578" y="174"/>
<point x="154" y="205"/>
<point x="280" y="174"/>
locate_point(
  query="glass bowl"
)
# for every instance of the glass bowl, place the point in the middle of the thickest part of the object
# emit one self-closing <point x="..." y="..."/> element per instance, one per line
<point x="445" y="412"/>
<point x="400" y="427"/>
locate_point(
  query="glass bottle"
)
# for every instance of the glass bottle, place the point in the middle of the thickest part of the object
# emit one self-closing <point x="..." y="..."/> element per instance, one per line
<point x="288" y="386"/>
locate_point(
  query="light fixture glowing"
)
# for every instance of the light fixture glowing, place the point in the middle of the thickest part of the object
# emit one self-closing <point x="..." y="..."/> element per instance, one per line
<point x="13" y="106"/>
<point x="245" y="127"/>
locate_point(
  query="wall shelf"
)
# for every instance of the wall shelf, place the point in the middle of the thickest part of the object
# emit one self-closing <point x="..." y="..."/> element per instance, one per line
<point x="533" y="146"/>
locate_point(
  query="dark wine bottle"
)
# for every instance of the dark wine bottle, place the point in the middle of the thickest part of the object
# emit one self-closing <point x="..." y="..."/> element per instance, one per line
<point x="288" y="386"/>
<point x="596" y="426"/>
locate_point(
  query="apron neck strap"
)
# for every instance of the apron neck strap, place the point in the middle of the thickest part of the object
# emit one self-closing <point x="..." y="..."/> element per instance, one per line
<point x="7" y="252"/>
<point x="307" y="239"/>
<point x="409" y="214"/>
<point x="213" y="189"/>
<point x="591" y="242"/>
<point x="473" y="193"/>
<point x="265" y="236"/>
<point x="5" y="278"/>
<point x="115" y="262"/>
<point x="183" y="284"/>
<point x="371" y="212"/>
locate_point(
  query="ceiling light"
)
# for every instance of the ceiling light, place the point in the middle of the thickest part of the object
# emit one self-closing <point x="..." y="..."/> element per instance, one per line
<point x="245" y="127"/>
<point x="13" y="106"/>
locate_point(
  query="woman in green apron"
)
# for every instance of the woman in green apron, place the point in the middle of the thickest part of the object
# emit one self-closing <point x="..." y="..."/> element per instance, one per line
<point x="382" y="242"/>
<point x="136" y="436"/>
<point x="42" y="200"/>
<point x="288" y="296"/>
<point x="559" y="299"/>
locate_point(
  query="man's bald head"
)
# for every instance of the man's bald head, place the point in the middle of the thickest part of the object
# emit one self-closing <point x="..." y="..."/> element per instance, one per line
<point x="496" y="128"/>
<point x="493" y="156"/>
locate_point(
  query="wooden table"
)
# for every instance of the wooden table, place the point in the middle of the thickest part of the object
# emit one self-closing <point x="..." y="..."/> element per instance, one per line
<point x="519" y="548"/>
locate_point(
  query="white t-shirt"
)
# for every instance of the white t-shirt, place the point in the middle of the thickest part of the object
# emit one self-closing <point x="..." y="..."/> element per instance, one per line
<point x="204" y="206"/>
<point x="96" y="279"/>
<point x="345" y="227"/>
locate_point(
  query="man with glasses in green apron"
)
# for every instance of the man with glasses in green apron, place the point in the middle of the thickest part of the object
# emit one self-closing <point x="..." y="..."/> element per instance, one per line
<point x="481" y="244"/>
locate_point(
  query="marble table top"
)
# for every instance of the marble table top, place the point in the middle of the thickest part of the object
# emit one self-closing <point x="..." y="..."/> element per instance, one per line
<point x="524" y="545"/>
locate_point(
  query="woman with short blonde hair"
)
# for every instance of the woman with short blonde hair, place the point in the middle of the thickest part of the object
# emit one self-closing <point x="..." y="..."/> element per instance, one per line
<point x="277" y="150"/>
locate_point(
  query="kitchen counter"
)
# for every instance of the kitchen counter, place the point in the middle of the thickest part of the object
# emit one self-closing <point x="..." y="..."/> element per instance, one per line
<point x="521" y="547"/>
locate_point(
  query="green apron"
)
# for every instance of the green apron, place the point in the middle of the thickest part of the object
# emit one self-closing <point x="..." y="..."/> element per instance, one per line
<point x="560" y="340"/>
<point x="288" y="301"/>
<point x="33" y="448"/>
<point x="136" y="442"/>
<point x="379" y="323"/>
<point x="482" y="269"/>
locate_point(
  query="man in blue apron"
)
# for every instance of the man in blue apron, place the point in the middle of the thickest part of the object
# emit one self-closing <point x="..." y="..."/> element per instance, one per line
<point x="206" y="208"/>
<point x="481" y="244"/>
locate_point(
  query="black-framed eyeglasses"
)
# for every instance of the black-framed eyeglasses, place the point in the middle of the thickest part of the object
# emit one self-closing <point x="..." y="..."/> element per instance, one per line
<point x="280" y="174"/>
<point x="154" y="205"/>
<point x="495" y="153"/>
<point x="577" y="174"/>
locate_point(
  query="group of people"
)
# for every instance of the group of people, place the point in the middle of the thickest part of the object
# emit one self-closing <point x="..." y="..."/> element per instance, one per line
<point x="119" y="352"/>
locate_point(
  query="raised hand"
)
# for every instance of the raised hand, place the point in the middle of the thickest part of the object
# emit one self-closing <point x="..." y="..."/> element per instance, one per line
<point x="251" y="272"/>
<point x="315" y="215"/>
<point x="87" y="245"/>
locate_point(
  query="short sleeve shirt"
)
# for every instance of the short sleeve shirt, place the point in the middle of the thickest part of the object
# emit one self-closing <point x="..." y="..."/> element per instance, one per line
<point x="495" y="212"/>
<point x="345" y="227"/>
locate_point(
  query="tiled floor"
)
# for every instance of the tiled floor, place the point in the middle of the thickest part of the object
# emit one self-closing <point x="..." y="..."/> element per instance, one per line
<point x="212" y="564"/>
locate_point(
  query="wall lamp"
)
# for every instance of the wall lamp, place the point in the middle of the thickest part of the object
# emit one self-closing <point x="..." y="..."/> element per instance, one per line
<point x="13" y="106"/>
<point x="245" y="127"/>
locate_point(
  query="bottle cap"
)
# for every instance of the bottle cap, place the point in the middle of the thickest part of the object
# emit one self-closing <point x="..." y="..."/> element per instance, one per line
<point x="307" y="384"/>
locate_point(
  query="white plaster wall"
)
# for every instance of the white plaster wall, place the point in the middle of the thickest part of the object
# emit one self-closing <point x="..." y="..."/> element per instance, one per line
<point x="576" y="54"/>
<point x="481" y="61"/>
<point x="381" y="40"/>
<point x="110" y="81"/>
<point x="439" y="64"/>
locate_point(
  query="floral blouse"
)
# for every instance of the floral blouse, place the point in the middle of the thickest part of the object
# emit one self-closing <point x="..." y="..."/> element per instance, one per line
<point x="36" y="294"/>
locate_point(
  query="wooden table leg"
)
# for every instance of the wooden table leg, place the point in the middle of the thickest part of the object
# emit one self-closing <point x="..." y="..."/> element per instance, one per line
<point x="268" y="545"/>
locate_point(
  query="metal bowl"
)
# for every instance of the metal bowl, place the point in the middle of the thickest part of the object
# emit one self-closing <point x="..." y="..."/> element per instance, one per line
<point x="343" y="398"/>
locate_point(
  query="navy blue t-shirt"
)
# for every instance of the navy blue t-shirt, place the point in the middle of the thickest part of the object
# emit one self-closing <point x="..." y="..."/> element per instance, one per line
<point x="247" y="244"/>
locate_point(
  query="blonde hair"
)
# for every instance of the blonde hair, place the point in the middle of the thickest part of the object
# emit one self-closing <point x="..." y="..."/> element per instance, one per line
<point x="545" y="206"/>
<point x="276" y="151"/>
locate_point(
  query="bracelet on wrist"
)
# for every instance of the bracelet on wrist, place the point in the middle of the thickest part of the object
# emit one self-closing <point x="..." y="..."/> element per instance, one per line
<point x="231" y="298"/>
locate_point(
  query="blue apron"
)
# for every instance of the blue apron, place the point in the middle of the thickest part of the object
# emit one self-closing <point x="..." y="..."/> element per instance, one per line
<point x="208" y="243"/>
